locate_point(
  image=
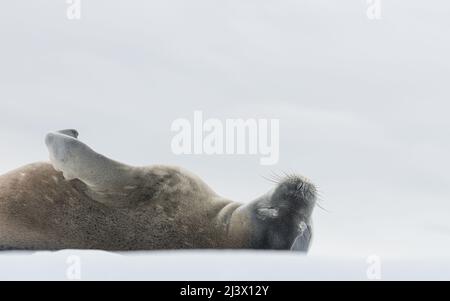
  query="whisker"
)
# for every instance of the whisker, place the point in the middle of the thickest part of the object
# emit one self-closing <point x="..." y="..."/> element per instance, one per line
<point x="326" y="210"/>
<point x="270" y="180"/>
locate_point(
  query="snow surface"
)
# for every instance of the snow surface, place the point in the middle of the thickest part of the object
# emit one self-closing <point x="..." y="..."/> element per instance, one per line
<point x="212" y="265"/>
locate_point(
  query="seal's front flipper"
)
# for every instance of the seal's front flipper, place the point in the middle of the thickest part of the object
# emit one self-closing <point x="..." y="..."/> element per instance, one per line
<point x="76" y="160"/>
<point x="303" y="240"/>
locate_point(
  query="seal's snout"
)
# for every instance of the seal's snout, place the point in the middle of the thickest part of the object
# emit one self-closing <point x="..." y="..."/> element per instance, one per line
<point x="297" y="187"/>
<point x="295" y="193"/>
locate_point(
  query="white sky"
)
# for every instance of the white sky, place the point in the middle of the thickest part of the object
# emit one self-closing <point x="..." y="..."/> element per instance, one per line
<point x="363" y="105"/>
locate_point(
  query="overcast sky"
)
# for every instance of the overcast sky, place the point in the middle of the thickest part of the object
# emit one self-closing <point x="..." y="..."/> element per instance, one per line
<point x="363" y="104"/>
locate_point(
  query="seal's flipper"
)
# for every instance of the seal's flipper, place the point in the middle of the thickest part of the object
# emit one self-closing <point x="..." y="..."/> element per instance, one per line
<point x="69" y="132"/>
<point x="76" y="160"/>
<point x="303" y="240"/>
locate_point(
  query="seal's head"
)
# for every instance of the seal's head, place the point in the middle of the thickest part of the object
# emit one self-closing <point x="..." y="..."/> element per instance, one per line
<point x="282" y="217"/>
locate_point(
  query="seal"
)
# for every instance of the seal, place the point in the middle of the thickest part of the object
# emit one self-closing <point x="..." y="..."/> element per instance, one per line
<point x="84" y="200"/>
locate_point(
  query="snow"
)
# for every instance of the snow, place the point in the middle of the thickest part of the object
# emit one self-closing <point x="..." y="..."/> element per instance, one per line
<point x="213" y="265"/>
